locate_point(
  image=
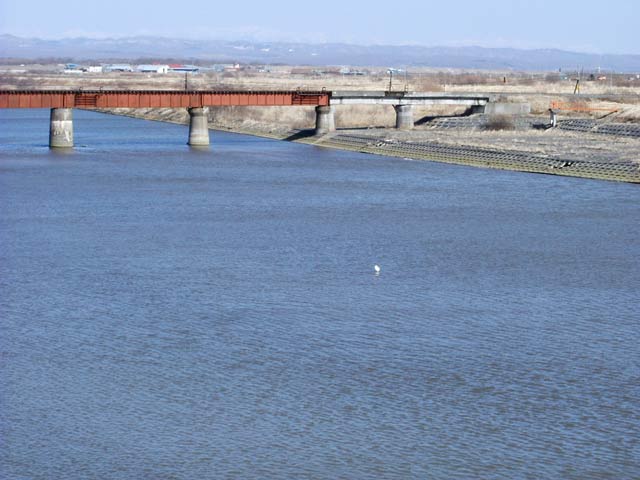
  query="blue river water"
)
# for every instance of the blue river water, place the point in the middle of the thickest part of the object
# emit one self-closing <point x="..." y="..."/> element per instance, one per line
<point x="176" y="313"/>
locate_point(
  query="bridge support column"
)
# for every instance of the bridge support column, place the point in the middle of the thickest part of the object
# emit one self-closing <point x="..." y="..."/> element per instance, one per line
<point x="404" y="117"/>
<point x="198" y="127"/>
<point x="325" y="120"/>
<point x="61" y="128"/>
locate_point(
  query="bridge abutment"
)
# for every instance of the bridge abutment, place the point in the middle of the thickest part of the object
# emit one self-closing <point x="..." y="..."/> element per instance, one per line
<point x="198" y="127"/>
<point x="404" y="117"/>
<point x="325" y="120"/>
<point x="61" y="128"/>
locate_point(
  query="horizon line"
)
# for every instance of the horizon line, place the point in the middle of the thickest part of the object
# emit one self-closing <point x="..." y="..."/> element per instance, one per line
<point x="99" y="37"/>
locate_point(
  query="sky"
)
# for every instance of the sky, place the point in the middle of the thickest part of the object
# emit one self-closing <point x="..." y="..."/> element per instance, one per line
<point x="587" y="26"/>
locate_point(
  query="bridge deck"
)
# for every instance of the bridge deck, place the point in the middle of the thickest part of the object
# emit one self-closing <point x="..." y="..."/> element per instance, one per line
<point x="156" y="98"/>
<point x="407" y="98"/>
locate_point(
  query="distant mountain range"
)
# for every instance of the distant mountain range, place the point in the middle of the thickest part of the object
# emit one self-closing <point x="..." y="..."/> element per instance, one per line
<point x="218" y="51"/>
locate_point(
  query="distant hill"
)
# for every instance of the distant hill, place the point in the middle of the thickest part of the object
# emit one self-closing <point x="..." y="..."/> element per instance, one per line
<point x="122" y="49"/>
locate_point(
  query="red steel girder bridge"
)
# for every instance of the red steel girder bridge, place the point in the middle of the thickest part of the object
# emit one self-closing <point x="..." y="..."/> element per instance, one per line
<point x="158" y="98"/>
<point x="62" y="103"/>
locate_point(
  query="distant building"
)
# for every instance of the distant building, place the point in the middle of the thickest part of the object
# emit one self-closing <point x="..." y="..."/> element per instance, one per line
<point x="153" y="68"/>
<point x="348" y="71"/>
<point x="118" y="67"/>
<point x="73" y="68"/>
<point x="184" y="68"/>
<point x="94" y="69"/>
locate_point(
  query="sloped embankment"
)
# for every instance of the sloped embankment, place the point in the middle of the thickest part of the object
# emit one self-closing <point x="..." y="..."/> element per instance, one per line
<point x="415" y="145"/>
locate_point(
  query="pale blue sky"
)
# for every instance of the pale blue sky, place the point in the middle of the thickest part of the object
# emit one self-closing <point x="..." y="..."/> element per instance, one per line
<point x="609" y="26"/>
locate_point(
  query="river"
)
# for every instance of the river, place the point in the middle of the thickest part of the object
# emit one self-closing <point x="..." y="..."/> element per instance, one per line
<point x="177" y="313"/>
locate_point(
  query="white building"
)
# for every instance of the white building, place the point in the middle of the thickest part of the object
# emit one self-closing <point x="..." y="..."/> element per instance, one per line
<point x="153" y="68"/>
<point x="118" y="67"/>
<point x="74" y="68"/>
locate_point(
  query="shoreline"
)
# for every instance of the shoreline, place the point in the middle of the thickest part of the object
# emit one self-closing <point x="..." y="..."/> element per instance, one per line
<point x="376" y="142"/>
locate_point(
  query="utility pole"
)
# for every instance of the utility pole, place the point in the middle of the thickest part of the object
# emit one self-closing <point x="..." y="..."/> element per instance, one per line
<point x="611" y="81"/>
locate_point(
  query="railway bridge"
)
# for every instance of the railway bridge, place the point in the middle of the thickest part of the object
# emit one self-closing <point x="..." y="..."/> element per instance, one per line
<point x="62" y="103"/>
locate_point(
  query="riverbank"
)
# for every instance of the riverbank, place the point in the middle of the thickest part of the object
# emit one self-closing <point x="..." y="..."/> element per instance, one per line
<point x="528" y="149"/>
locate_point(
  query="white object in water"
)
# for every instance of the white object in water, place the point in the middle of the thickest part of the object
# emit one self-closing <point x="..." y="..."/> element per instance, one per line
<point x="377" y="269"/>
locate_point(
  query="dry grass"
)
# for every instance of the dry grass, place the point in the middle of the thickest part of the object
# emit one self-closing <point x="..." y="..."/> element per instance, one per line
<point x="282" y="78"/>
<point x="538" y="90"/>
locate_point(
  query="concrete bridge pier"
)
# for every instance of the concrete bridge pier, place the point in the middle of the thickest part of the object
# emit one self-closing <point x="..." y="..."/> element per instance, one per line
<point x="325" y="120"/>
<point x="61" y="128"/>
<point x="198" y="127"/>
<point x="404" y="117"/>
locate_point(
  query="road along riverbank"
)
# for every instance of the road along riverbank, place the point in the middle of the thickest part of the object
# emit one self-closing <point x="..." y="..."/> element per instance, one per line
<point x="527" y="149"/>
